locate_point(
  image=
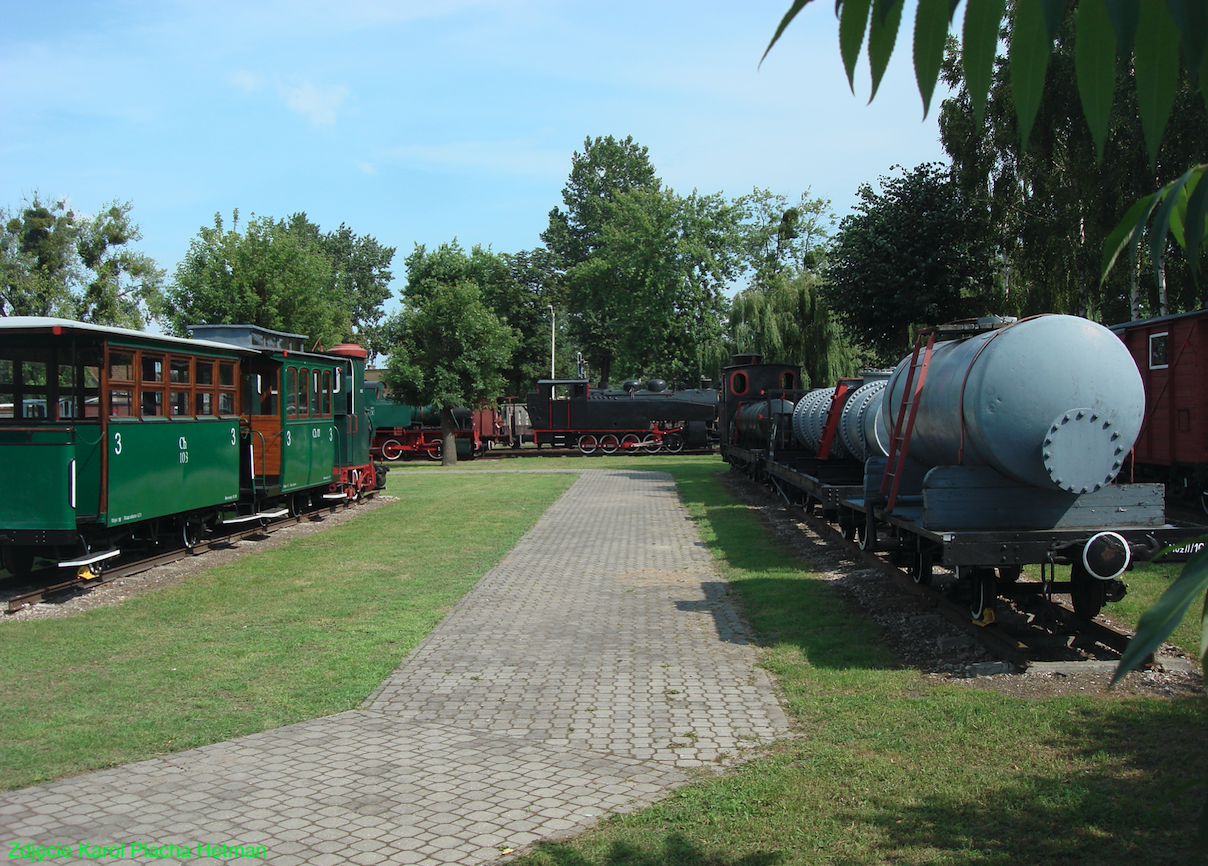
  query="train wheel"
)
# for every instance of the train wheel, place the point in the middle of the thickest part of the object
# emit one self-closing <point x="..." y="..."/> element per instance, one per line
<point x="847" y="524"/>
<point x="983" y="599"/>
<point x="630" y="443"/>
<point x="609" y="443"/>
<point x="866" y="532"/>
<point x="392" y="449"/>
<point x="651" y="445"/>
<point x="19" y="560"/>
<point x="675" y="443"/>
<point x="434" y="451"/>
<point x="921" y="567"/>
<point x="1087" y="592"/>
<point x="588" y="444"/>
<point x="190" y="533"/>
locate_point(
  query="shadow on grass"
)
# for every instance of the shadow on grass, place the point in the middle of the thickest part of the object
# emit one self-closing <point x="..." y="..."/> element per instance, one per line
<point x="676" y="850"/>
<point x="1114" y="806"/>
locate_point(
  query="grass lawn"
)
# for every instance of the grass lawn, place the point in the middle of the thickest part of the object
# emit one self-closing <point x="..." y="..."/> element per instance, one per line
<point x="892" y="768"/>
<point x="296" y="632"/>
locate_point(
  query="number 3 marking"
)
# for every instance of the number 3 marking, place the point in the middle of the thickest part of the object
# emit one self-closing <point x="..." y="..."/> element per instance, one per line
<point x="117" y="442"/>
<point x="289" y="439"/>
<point x="234" y="441"/>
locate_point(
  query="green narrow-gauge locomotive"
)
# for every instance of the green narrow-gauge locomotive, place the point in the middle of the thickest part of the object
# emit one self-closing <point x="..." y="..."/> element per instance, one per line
<point x="111" y="438"/>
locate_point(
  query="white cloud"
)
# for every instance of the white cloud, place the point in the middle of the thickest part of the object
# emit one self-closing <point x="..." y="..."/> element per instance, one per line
<point x="367" y="167"/>
<point x="246" y="80"/>
<point x="318" y="104"/>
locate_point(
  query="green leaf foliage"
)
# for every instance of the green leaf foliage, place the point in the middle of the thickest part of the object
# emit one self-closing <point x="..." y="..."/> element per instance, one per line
<point x="930" y="35"/>
<point x="269" y="274"/>
<point x="979" y="47"/>
<point x="1157" y="71"/>
<point x="1095" y="62"/>
<point x="882" y="33"/>
<point x="1030" y="49"/>
<point x="910" y="254"/>
<point x="55" y="262"/>
<point x="853" y="21"/>
<point x="1124" y="15"/>
<point x="448" y="349"/>
<point x="1159" y="621"/>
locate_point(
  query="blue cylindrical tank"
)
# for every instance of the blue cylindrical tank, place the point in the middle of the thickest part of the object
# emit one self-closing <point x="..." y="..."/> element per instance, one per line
<point x="755" y="419"/>
<point x="1052" y="401"/>
<point x="862" y="409"/>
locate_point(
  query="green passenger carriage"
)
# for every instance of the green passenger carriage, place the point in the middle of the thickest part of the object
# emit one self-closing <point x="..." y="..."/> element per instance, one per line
<point x="110" y="437"/>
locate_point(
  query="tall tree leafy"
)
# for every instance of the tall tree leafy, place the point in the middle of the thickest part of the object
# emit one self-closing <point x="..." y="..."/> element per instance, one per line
<point x="670" y="258"/>
<point x="517" y="289"/>
<point x="779" y="238"/>
<point x="599" y="302"/>
<point x="1053" y="205"/>
<point x="360" y="275"/>
<point x="54" y="262"/>
<point x="266" y="275"/>
<point x="447" y="348"/>
<point x="909" y="255"/>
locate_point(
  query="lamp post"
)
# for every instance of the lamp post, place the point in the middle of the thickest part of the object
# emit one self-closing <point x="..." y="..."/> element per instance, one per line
<point x="552" y="332"/>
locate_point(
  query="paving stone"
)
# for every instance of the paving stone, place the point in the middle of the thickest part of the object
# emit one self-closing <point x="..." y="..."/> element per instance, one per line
<point x="600" y="659"/>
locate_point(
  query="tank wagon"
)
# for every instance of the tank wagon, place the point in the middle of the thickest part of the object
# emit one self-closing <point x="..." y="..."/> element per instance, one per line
<point x="1171" y="354"/>
<point x="111" y="438"/>
<point x="570" y="413"/>
<point x="993" y="446"/>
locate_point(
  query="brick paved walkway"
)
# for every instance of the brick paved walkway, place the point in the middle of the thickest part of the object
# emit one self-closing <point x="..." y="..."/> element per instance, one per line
<point x="582" y="675"/>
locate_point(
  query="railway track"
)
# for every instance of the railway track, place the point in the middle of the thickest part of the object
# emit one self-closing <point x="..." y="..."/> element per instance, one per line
<point x="123" y="568"/>
<point x="1034" y="627"/>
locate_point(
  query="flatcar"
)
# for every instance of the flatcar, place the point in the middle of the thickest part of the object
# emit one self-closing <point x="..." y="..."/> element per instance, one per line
<point x="570" y="413"/>
<point x="991" y="447"/>
<point x="1171" y="353"/>
<point x="114" y="438"/>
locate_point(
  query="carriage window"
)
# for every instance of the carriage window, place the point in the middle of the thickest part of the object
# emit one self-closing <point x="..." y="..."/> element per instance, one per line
<point x="121" y="366"/>
<point x="226" y="374"/>
<point x="153" y="368"/>
<point x="738" y="383"/>
<point x="314" y="395"/>
<point x="179" y="403"/>
<point x="326" y="392"/>
<point x="205" y="403"/>
<point x="205" y="372"/>
<point x="788" y="380"/>
<point x="226" y="387"/>
<point x="1159" y="358"/>
<point x="304" y="393"/>
<point x="121" y="403"/>
<point x="178" y="371"/>
<point x="152" y="402"/>
<point x="291" y="392"/>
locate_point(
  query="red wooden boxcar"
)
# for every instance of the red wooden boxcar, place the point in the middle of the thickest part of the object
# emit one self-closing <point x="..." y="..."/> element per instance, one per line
<point x="1172" y="354"/>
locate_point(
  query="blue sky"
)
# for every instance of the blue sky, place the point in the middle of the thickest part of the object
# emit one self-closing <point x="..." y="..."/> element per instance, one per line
<point x="418" y="122"/>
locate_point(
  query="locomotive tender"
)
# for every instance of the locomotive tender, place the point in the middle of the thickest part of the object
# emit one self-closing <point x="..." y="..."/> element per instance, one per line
<point x="111" y="437"/>
<point x="984" y="452"/>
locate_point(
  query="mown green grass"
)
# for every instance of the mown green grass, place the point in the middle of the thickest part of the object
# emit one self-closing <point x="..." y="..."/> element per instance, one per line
<point x="300" y="631"/>
<point x="892" y="768"/>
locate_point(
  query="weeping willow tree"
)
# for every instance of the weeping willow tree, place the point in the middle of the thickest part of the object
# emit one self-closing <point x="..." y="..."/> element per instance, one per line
<point x="788" y="322"/>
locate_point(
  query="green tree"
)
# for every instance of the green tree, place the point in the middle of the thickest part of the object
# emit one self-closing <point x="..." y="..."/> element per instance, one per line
<point x="517" y="289"/>
<point x="789" y="321"/>
<point x="54" y="262"/>
<point x="780" y="239"/>
<point x="360" y="275"/>
<point x="668" y="258"/>
<point x="909" y="255"/>
<point x="266" y="275"/>
<point x="598" y="302"/>
<point x="1052" y="205"/>
<point x="447" y="349"/>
